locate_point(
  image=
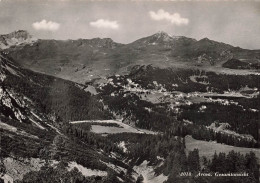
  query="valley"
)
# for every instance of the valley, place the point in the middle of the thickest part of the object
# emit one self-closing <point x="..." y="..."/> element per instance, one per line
<point x="93" y="110"/>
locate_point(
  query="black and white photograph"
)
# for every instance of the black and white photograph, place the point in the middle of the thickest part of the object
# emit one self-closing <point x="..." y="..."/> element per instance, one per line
<point x="129" y="91"/>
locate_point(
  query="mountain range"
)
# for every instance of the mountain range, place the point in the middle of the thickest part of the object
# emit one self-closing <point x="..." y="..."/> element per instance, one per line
<point x="85" y="59"/>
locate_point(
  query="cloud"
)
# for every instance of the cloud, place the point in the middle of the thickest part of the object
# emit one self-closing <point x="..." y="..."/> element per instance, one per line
<point x="173" y="18"/>
<point x="101" y="23"/>
<point x="46" y="25"/>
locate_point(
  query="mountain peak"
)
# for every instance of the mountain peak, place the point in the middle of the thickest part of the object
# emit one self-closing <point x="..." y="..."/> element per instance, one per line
<point x="162" y="38"/>
<point x="22" y="34"/>
<point x="16" y="38"/>
<point x="21" y="31"/>
<point x="162" y="34"/>
<point x="205" y="39"/>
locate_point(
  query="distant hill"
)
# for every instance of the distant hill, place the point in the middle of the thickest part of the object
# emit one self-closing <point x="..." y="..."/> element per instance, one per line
<point x="237" y="64"/>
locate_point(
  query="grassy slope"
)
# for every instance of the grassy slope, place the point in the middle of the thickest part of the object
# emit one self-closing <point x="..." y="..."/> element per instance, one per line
<point x="208" y="149"/>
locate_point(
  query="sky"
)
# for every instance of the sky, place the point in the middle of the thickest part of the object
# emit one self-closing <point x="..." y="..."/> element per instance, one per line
<point x="236" y="23"/>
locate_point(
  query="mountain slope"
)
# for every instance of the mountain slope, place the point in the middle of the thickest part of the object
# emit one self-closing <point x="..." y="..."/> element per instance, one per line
<point x="49" y="93"/>
<point x="35" y="110"/>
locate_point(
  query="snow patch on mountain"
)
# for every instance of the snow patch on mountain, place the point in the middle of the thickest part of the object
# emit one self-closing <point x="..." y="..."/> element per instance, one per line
<point x="86" y="171"/>
<point x="54" y="128"/>
<point x="37" y="124"/>
<point x="122" y="145"/>
<point x="7" y="101"/>
<point x="35" y="115"/>
<point x="118" y="169"/>
<point x="148" y="173"/>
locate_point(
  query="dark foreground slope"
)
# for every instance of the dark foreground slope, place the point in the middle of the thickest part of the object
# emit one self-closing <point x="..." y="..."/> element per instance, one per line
<point x="34" y="116"/>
